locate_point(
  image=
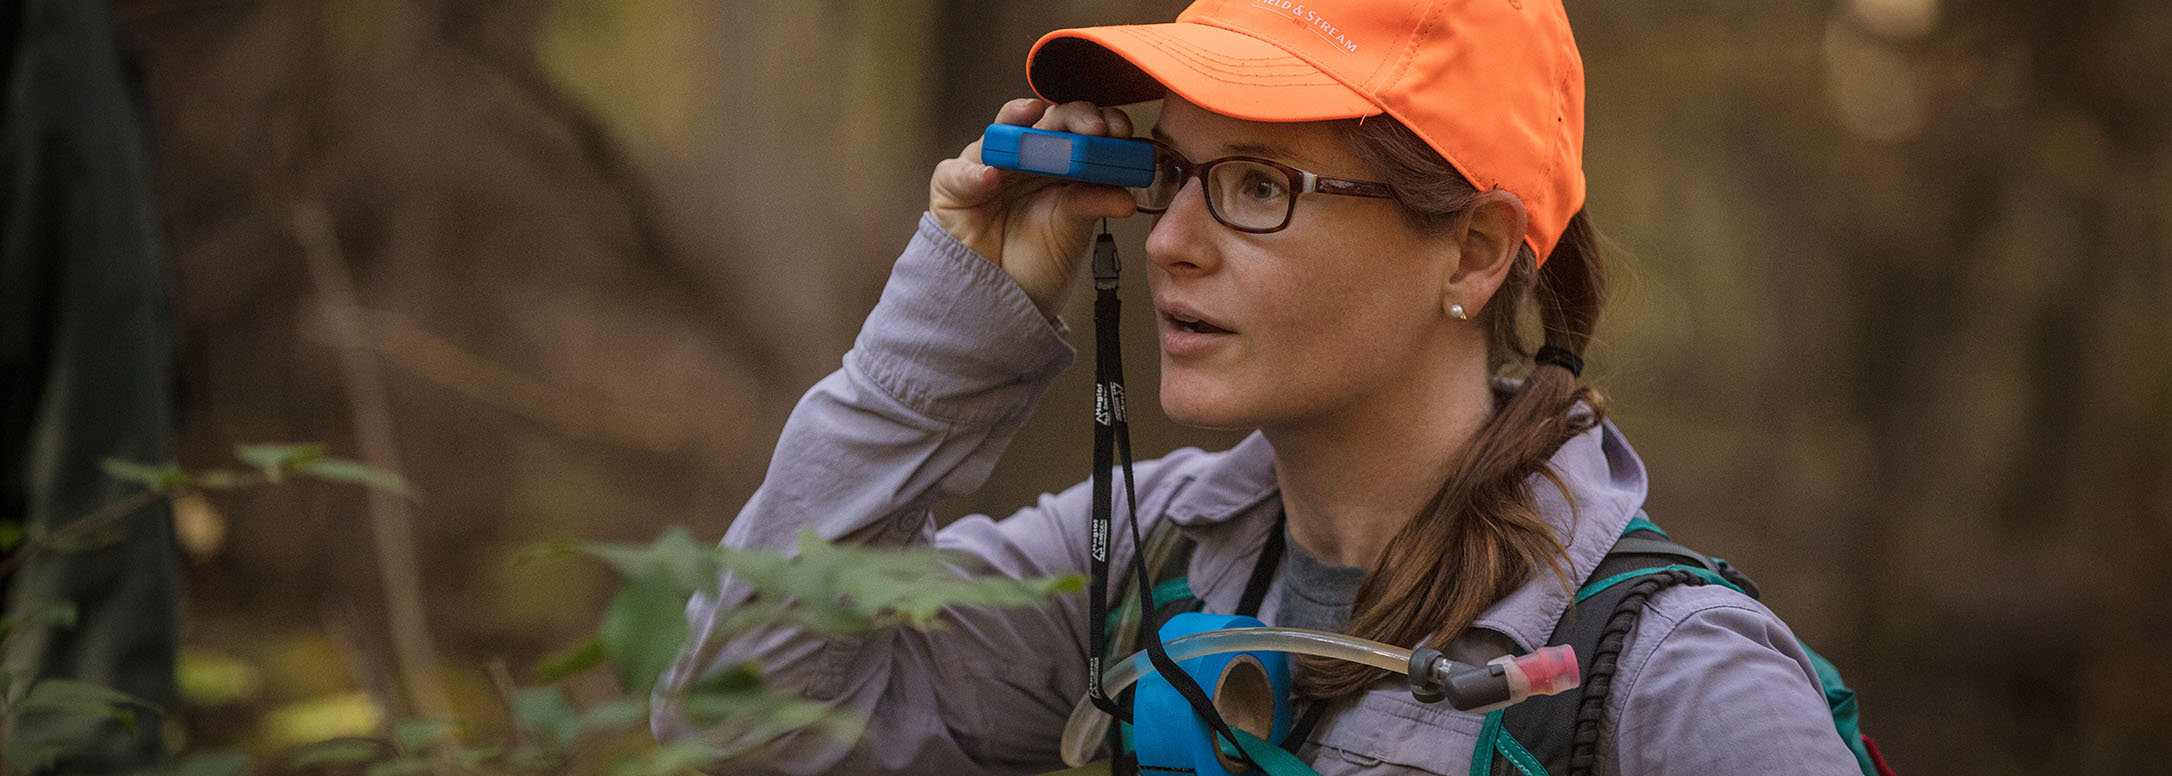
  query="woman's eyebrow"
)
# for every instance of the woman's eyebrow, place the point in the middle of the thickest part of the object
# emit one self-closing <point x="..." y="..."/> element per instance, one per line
<point x="1267" y="150"/>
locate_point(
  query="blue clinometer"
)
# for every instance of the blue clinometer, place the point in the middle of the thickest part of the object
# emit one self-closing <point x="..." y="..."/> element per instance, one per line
<point x="1089" y="158"/>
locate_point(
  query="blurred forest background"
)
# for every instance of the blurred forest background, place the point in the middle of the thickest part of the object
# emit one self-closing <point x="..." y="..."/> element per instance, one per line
<point x="1891" y="330"/>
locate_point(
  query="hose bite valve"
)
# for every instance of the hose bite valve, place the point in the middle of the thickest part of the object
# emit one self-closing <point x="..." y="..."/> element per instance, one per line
<point x="1504" y="681"/>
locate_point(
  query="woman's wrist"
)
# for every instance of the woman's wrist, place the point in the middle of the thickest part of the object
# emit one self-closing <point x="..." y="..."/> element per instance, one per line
<point x="954" y="335"/>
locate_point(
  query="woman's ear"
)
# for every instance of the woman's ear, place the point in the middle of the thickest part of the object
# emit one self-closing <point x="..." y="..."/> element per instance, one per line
<point x="1488" y="235"/>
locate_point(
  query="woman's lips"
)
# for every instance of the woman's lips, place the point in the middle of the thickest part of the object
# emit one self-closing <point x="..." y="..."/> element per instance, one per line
<point x="1195" y="325"/>
<point x="1184" y="333"/>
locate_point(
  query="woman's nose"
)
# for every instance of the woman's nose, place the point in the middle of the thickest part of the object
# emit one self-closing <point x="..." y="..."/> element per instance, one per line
<point x="1179" y="243"/>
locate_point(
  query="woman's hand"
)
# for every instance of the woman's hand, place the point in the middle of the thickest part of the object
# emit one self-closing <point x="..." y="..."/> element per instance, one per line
<point x="1036" y="228"/>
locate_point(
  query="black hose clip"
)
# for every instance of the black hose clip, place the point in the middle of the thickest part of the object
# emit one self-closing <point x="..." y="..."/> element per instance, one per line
<point x="1428" y="683"/>
<point x="1434" y="678"/>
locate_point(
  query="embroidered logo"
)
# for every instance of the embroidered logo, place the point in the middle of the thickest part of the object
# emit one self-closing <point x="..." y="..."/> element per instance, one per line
<point x="1313" y="21"/>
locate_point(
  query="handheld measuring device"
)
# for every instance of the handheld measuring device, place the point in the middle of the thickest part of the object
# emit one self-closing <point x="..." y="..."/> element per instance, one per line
<point x="1089" y="158"/>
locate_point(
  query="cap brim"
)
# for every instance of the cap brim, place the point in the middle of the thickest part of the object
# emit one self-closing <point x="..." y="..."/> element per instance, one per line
<point x="1224" y="71"/>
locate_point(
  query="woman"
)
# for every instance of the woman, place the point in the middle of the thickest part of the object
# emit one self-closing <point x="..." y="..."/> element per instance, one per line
<point x="1359" y="328"/>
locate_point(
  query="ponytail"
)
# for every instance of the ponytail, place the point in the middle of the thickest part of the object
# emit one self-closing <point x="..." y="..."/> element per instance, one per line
<point x="1481" y="536"/>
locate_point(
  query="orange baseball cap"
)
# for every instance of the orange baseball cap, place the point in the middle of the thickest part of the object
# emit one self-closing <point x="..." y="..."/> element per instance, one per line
<point x="1495" y="86"/>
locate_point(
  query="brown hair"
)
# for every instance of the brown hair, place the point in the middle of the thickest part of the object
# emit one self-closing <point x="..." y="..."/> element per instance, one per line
<point x="1481" y="536"/>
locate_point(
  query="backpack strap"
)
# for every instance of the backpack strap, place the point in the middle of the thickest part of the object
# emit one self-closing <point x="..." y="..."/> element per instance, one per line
<point x="1558" y="734"/>
<point x="1263" y="571"/>
<point x="1169" y="557"/>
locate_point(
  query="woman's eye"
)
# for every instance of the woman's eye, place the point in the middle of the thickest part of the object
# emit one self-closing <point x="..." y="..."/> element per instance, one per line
<point x="1259" y="185"/>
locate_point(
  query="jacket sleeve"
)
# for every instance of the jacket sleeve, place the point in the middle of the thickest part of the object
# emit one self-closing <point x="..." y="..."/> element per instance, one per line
<point x="1713" y="682"/>
<point x="946" y="368"/>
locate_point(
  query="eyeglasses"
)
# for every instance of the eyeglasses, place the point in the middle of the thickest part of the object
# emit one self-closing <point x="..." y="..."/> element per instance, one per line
<point x="1244" y="193"/>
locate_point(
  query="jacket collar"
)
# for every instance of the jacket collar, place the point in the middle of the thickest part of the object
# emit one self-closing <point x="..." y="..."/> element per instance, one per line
<point x="1233" y="491"/>
<point x="1606" y="479"/>
<point x="1226" y="485"/>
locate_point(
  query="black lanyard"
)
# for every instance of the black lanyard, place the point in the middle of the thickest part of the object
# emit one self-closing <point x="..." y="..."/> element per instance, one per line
<point x="1112" y="441"/>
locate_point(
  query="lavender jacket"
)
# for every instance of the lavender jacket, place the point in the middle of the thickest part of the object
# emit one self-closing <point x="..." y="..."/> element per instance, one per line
<point x="946" y="369"/>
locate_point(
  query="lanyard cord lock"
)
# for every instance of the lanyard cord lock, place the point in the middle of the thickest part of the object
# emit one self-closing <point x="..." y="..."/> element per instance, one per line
<point x="1105" y="264"/>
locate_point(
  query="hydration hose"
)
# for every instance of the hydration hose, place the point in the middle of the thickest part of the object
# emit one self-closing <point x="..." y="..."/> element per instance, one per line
<point x="1501" y="682"/>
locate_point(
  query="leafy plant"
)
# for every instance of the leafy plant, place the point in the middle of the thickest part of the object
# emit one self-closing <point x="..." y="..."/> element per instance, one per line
<point x="69" y="712"/>
<point x="823" y="587"/>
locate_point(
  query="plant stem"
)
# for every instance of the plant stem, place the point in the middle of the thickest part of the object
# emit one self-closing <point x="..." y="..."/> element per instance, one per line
<point x="392" y="525"/>
<point x="113" y="510"/>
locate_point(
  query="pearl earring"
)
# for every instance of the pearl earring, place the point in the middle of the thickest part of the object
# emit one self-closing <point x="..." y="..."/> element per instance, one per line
<point x="1456" y="311"/>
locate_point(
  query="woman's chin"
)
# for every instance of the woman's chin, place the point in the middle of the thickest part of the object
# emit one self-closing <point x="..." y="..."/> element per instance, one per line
<point x="1198" y="409"/>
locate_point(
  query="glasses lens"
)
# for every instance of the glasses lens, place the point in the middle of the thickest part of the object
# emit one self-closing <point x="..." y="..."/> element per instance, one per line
<point x="1249" y="195"/>
<point x="1168" y="178"/>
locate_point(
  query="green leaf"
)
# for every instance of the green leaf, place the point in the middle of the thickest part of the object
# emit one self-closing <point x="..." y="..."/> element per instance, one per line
<point x="210" y="764"/>
<point x="641" y="632"/>
<point x="218" y="479"/>
<point x="473" y="757"/>
<point x="58" y="614"/>
<point x="740" y="721"/>
<point x="535" y="760"/>
<point x="673" y="561"/>
<point x="616" y="714"/>
<point x="758" y="613"/>
<point x="763" y="569"/>
<point x="405" y="766"/>
<point x="546" y="712"/>
<point x="107" y="537"/>
<point x="207" y="679"/>
<point x="413" y="736"/>
<point x="11" y="535"/>
<point x="671" y="760"/>
<point x="743" y="677"/>
<point x="337" y="751"/>
<point x="68" y="696"/>
<point x="831" y="618"/>
<point x="573" y="661"/>
<point x="32" y="756"/>
<point x="354" y="472"/>
<point x="548" y="549"/>
<point x="278" y="460"/>
<point x="158" y="477"/>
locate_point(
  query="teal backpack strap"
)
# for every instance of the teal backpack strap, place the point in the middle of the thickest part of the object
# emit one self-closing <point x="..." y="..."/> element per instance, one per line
<point x="1168" y="556"/>
<point x="1498" y="750"/>
<point x="1272" y="760"/>
<point x="1846" y="717"/>
<point x="1169" y="559"/>
<point x="1558" y="734"/>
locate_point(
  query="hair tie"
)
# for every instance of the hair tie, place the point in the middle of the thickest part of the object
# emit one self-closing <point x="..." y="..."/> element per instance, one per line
<point x="1561" y="357"/>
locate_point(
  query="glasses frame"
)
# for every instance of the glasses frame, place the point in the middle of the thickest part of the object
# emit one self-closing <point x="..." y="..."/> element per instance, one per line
<point x="1301" y="182"/>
